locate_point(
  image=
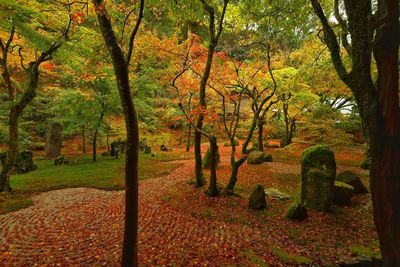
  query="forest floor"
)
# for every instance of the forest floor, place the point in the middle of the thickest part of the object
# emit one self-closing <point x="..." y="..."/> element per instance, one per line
<point x="180" y="226"/>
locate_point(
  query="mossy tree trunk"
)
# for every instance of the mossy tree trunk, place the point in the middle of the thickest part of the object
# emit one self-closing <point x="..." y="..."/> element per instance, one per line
<point x="17" y="106"/>
<point x="378" y="104"/>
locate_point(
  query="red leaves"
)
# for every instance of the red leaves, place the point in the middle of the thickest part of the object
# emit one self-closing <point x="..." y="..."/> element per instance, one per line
<point x="78" y="17"/>
<point x="48" y="66"/>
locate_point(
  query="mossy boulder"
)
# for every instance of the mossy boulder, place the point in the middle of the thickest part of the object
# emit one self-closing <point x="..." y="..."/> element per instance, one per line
<point x="255" y="157"/>
<point x="24" y="162"/>
<point x="59" y="160"/>
<point x="342" y="194"/>
<point x="318" y="171"/>
<point x="257" y="198"/>
<point x="268" y="158"/>
<point x="352" y="179"/>
<point x="296" y="211"/>
<point x="207" y="159"/>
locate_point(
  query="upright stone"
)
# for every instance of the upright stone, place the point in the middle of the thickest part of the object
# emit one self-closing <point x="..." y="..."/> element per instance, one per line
<point x="318" y="171"/>
<point x="53" y="140"/>
<point x="257" y="198"/>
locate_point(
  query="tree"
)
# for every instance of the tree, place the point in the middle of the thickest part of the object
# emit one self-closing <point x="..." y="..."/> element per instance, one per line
<point x="378" y="34"/>
<point x="120" y="63"/>
<point x="214" y="35"/>
<point x="19" y="101"/>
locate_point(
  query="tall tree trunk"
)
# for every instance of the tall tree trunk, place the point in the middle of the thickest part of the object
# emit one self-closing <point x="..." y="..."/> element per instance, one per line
<point x="234" y="173"/>
<point x="212" y="189"/>
<point x="189" y="137"/>
<point x="12" y="151"/>
<point x="200" y="180"/>
<point x="378" y="105"/>
<point x="96" y="131"/>
<point x="121" y="70"/>
<point x="83" y="139"/>
<point x="384" y="129"/>
<point x="260" y="135"/>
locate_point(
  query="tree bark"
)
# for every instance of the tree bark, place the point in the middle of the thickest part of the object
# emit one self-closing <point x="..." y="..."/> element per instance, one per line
<point x="384" y="129"/>
<point x="121" y="71"/>
<point x="83" y="139"/>
<point x="212" y="188"/>
<point x="260" y="135"/>
<point x="189" y="137"/>
<point x="378" y="105"/>
<point x="53" y="140"/>
<point x="96" y="131"/>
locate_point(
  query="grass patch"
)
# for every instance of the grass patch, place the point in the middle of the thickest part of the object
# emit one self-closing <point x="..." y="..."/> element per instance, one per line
<point x="107" y="174"/>
<point x="286" y="257"/>
<point x="372" y="251"/>
<point x="253" y="258"/>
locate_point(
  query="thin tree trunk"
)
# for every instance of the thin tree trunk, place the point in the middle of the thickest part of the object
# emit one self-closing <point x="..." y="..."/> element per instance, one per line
<point x="212" y="188"/>
<point x="121" y="70"/>
<point x="234" y="173"/>
<point x="189" y="137"/>
<point x="83" y="139"/>
<point x="260" y="135"/>
<point x="12" y="151"/>
<point x="96" y="131"/>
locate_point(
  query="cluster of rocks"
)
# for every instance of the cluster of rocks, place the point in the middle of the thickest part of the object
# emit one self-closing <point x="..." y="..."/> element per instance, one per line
<point x="61" y="160"/>
<point x="320" y="187"/>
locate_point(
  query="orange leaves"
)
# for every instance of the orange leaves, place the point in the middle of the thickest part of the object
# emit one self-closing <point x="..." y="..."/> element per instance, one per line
<point x="79" y="17"/>
<point x="48" y="66"/>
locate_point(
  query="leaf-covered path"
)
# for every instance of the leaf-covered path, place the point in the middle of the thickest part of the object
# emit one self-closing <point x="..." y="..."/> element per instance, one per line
<point x="84" y="226"/>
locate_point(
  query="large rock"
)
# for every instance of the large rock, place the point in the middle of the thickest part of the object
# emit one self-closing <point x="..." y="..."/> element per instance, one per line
<point x="318" y="170"/>
<point x="255" y="157"/>
<point x="352" y="179"/>
<point x="257" y="198"/>
<point x="342" y="194"/>
<point x="53" y="140"/>
<point x="24" y="162"/>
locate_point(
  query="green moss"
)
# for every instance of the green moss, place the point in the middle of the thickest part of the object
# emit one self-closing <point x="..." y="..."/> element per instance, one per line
<point x="286" y="257"/>
<point x="253" y="258"/>
<point x="296" y="212"/>
<point x="344" y="185"/>
<point x="366" y="252"/>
